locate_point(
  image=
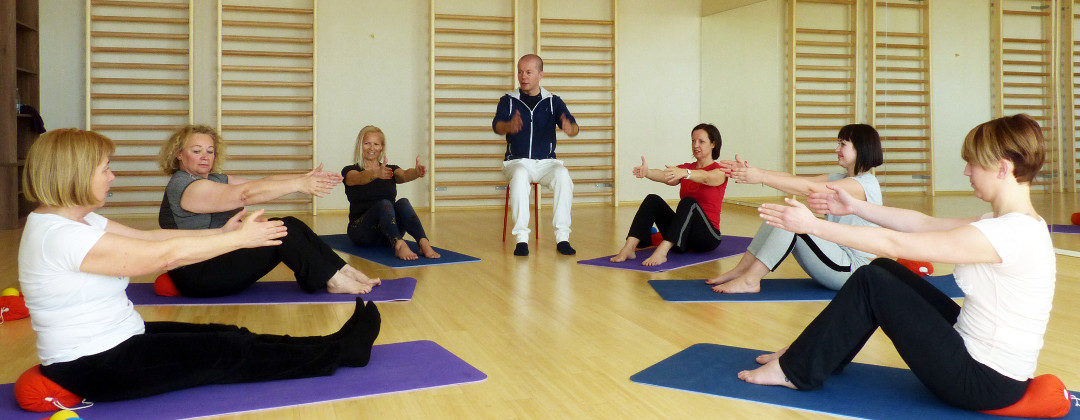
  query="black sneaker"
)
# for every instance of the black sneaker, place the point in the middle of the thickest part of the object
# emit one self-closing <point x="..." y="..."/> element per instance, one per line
<point x="565" y="248"/>
<point x="522" y="249"/>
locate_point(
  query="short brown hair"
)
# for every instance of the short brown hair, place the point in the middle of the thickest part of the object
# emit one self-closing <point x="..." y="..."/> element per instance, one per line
<point x="172" y="147"/>
<point x="1017" y="138"/>
<point x="60" y="165"/>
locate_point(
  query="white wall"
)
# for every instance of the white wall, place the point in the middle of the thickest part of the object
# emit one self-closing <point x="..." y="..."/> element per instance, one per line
<point x="372" y="69"/>
<point x="744" y="84"/>
<point x="960" y="56"/>
<point x="659" y="89"/>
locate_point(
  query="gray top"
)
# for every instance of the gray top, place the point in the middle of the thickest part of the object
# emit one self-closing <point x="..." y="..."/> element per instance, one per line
<point x="172" y="216"/>
<point x="872" y="190"/>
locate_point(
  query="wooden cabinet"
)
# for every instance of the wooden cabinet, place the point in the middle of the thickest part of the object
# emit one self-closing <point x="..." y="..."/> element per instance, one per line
<point x="18" y="85"/>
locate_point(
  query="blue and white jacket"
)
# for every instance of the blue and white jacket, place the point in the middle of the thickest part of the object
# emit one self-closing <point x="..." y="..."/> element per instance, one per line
<point x="536" y="140"/>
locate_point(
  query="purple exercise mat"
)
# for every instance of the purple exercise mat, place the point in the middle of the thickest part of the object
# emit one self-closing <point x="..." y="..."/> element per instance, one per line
<point x="1065" y="229"/>
<point x="270" y="292"/>
<point x="393" y="368"/>
<point x="730" y="245"/>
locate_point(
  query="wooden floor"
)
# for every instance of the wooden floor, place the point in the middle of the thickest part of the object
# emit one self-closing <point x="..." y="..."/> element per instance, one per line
<point x="557" y="339"/>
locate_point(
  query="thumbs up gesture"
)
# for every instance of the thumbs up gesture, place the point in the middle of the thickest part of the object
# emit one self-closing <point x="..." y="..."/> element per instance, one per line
<point x="384" y="172"/>
<point x="420" y="169"/>
<point x="643" y="170"/>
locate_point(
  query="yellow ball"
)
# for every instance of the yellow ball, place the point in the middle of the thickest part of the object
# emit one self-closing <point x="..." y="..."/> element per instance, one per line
<point x="11" y="291"/>
<point x="64" y="415"/>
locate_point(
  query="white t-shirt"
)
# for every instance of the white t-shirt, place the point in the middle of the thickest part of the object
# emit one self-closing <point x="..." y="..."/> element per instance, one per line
<point x="75" y="314"/>
<point x="1007" y="305"/>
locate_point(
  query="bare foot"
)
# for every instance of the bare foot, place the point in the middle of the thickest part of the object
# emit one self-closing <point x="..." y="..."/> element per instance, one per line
<point x="654" y="260"/>
<point x="739" y="285"/>
<point x="402" y="251"/>
<point x="766" y="358"/>
<point x="768" y="374"/>
<point x="427" y="250"/>
<point x="726" y="277"/>
<point x="624" y="255"/>
<point x="341" y="282"/>
<point x="359" y="276"/>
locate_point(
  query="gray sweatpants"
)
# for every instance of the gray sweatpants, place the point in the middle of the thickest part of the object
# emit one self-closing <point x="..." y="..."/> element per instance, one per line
<point x="826" y="262"/>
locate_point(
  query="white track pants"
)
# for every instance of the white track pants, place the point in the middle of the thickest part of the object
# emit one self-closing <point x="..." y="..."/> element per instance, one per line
<point x="550" y="172"/>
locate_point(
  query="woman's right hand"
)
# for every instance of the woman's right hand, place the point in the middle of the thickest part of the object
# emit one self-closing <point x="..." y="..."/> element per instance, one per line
<point x="643" y="170"/>
<point x="257" y="232"/>
<point x="318" y="182"/>
<point x="743" y="173"/>
<point x="837" y="203"/>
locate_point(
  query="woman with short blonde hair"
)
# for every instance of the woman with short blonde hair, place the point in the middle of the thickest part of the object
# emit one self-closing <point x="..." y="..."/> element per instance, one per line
<point x="59" y="173"/>
<point x="199" y="197"/>
<point x="979" y="356"/>
<point x="74" y="268"/>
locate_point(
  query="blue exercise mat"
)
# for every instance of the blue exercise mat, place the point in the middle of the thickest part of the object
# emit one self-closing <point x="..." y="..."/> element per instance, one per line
<point x="772" y="290"/>
<point x="864" y="391"/>
<point x="385" y="255"/>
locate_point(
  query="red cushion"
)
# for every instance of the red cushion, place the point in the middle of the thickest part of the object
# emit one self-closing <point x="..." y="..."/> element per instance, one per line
<point x="1076" y="218"/>
<point x="164" y="286"/>
<point x="13" y="307"/>
<point x="35" y="392"/>
<point x="1046" y="397"/>
<point x="656" y="238"/>
<point x="921" y="268"/>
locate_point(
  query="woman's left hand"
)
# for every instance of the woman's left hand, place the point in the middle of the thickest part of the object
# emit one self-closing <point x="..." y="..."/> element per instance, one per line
<point x="674" y="173"/>
<point x="420" y="169"/>
<point x="235" y="221"/>
<point x="793" y="217"/>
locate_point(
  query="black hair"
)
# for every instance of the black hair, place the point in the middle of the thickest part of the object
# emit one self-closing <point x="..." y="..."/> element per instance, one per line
<point x="867" y="143"/>
<point x="714" y="137"/>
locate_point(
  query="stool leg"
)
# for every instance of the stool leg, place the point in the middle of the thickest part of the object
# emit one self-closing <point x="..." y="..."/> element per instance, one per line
<point x="506" y="210"/>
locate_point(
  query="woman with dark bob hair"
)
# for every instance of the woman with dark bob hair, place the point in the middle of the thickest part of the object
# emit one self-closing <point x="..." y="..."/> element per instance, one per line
<point x="74" y="267"/>
<point x="977" y="357"/>
<point x="199" y="196"/>
<point x="858" y="150"/>
<point x="695" y="224"/>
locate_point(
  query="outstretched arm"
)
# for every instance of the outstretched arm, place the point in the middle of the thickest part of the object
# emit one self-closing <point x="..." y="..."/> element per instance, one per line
<point x="742" y="172"/>
<point x="657" y="175"/>
<point x="402" y="176"/>
<point x="839" y="202"/>
<point x="205" y="196"/>
<point x="120" y="229"/>
<point x="119" y="255"/>
<point x="961" y="245"/>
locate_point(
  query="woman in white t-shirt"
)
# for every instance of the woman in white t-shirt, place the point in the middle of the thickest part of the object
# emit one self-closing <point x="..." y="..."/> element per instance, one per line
<point x="74" y="266"/>
<point x="978" y="357"/>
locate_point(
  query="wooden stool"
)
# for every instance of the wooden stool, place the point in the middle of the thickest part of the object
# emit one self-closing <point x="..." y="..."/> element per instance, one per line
<point x="536" y="210"/>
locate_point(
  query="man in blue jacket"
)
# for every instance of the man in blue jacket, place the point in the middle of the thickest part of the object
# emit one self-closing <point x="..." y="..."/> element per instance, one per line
<point x="528" y="118"/>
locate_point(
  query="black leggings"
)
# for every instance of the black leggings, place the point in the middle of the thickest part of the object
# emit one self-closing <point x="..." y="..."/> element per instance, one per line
<point x="383" y="223"/>
<point x="310" y="259"/>
<point x="918" y="318"/>
<point x="172" y="355"/>
<point x="686" y="227"/>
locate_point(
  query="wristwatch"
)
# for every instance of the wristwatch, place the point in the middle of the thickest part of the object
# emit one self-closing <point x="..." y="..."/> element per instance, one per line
<point x="687" y="173"/>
